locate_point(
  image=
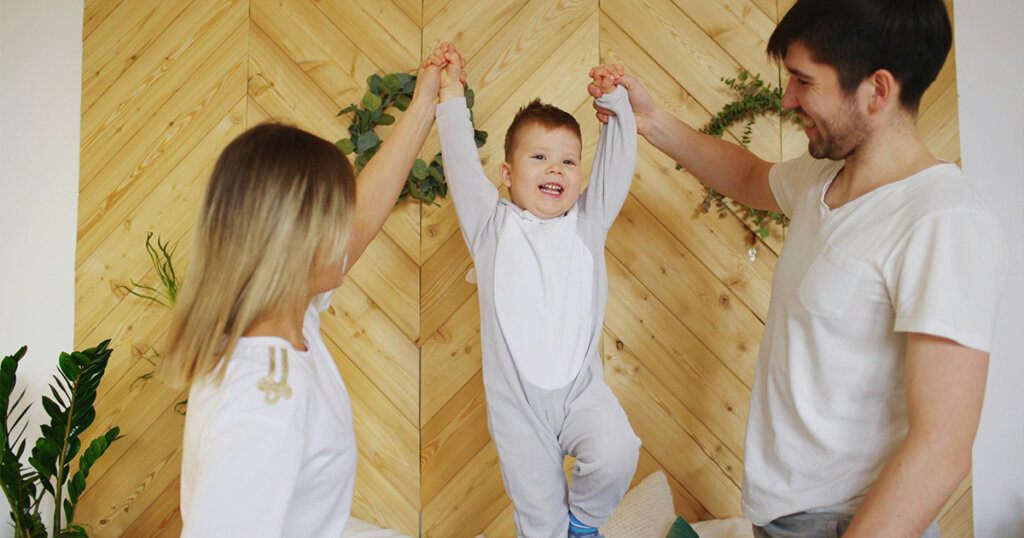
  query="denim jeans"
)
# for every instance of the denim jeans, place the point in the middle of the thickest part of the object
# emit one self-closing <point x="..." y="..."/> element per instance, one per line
<point x="817" y="525"/>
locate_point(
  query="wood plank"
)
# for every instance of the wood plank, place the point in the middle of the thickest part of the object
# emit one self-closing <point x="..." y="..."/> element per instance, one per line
<point x="162" y="518"/>
<point x="645" y="326"/>
<point x="719" y="243"/>
<point x="161" y="83"/>
<point x="380" y="28"/>
<point x="687" y="288"/>
<point x="287" y="93"/>
<point x="473" y="498"/>
<point x="940" y="126"/>
<point x="452" y="437"/>
<point x="957" y="521"/>
<point x="376" y="500"/>
<point x="738" y="26"/>
<point x="386" y="440"/>
<point x="444" y="285"/>
<point x="392" y="280"/>
<point x="450" y="358"/>
<point x="698" y="463"/>
<point x="470" y="25"/>
<point x="114" y="259"/>
<point x="187" y="115"/>
<point x="137" y="479"/>
<point x="94" y="12"/>
<point x="696" y="62"/>
<point x="379" y="349"/>
<point x="130" y="43"/>
<point x="320" y="49"/>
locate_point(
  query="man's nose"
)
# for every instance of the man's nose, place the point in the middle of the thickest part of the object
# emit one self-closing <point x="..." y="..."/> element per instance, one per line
<point x="788" y="99"/>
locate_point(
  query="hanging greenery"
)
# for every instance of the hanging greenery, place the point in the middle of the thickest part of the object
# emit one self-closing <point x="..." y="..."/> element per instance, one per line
<point x="165" y="294"/>
<point x="426" y="180"/>
<point x="755" y="98"/>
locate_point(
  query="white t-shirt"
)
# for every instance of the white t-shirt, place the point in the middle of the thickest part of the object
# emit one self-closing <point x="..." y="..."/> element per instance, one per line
<point x="828" y="406"/>
<point x="253" y="468"/>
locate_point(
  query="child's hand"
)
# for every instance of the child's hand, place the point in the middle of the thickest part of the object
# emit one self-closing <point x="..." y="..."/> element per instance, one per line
<point x="452" y="75"/>
<point x="428" y="79"/>
<point x="605" y="78"/>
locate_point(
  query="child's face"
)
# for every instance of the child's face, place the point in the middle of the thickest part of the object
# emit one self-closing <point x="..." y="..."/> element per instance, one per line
<point x="544" y="176"/>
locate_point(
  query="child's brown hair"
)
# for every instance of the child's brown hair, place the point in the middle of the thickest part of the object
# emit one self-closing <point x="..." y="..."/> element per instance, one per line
<point x="548" y="116"/>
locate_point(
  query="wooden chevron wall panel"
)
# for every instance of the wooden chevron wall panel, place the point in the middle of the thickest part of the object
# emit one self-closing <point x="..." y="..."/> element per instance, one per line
<point x="166" y="85"/>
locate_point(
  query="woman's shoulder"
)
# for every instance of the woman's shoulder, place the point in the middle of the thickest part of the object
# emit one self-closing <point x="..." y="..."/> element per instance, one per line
<point x="264" y="380"/>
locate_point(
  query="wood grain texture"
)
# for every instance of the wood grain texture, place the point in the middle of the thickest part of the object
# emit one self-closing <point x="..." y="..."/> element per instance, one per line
<point x="166" y="85"/>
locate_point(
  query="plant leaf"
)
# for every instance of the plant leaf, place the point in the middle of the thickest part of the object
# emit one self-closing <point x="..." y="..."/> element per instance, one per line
<point x="419" y="169"/>
<point x="371" y="101"/>
<point x="346" y="145"/>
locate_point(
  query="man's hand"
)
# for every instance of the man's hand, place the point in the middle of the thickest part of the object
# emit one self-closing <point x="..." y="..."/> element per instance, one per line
<point x="643" y="105"/>
<point x="452" y="74"/>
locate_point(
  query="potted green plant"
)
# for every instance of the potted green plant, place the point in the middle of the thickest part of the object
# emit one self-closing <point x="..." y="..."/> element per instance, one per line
<point x="48" y="473"/>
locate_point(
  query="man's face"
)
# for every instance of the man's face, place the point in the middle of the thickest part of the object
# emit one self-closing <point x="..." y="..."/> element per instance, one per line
<point x="834" y="123"/>
<point x="544" y="176"/>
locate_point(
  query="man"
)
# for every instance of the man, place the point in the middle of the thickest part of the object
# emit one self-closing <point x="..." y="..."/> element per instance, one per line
<point x="872" y="365"/>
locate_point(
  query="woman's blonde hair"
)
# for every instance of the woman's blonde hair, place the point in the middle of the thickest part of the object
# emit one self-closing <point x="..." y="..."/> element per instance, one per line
<point x="278" y="209"/>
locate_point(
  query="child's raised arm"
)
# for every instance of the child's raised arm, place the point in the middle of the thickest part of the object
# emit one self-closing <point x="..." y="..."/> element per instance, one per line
<point x="615" y="158"/>
<point x="474" y="195"/>
<point x="382" y="179"/>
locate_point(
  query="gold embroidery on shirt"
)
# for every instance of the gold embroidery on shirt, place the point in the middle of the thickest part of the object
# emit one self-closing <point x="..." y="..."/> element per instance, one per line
<point x="276" y="389"/>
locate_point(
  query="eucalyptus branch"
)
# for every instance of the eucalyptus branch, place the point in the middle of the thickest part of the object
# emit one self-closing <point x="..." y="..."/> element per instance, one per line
<point x="426" y="180"/>
<point x="755" y="98"/>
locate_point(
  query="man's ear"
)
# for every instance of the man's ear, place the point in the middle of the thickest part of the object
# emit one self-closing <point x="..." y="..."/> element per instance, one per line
<point x="505" y="173"/>
<point x="883" y="90"/>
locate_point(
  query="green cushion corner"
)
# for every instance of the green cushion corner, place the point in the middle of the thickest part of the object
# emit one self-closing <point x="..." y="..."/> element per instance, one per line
<point x="681" y="529"/>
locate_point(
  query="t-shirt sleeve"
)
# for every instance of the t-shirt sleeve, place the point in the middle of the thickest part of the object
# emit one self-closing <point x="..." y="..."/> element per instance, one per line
<point x="946" y="275"/>
<point x="614" y="161"/>
<point x="474" y="195"/>
<point x="251" y="457"/>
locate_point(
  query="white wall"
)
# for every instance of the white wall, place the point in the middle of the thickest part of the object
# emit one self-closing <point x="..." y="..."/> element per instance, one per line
<point x="40" y="96"/>
<point x="40" y="109"/>
<point x="990" y="78"/>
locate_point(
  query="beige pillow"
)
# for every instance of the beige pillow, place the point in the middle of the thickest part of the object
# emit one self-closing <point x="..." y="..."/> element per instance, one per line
<point x="647" y="510"/>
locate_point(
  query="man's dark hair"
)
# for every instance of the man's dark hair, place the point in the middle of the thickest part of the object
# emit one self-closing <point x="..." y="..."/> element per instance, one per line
<point x="548" y="116"/>
<point x="909" y="38"/>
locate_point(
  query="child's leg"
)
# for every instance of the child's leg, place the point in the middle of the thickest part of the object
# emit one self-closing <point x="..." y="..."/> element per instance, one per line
<point x="598" y="434"/>
<point x="531" y="465"/>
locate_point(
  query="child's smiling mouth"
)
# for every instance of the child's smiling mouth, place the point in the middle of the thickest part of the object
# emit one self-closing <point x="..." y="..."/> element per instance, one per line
<point x="551" y="189"/>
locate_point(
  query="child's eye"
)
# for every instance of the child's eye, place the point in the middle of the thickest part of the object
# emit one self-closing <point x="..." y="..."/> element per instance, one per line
<point x="539" y="157"/>
<point x="569" y="162"/>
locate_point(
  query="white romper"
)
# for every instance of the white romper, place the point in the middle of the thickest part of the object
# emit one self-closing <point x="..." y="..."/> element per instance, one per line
<point x="543" y="287"/>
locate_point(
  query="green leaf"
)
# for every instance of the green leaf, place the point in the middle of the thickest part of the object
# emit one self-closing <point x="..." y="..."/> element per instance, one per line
<point x="386" y="119"/>
<point x="402" y="102"/>
<point x="406" y="81"/>
<point x="346" y="145"/>
<point x="373" y="81"/>
<point x="346" y="110"/>
<point x="470" y="97"/>
<point x="419" y="169"/>
<point x="391" y="83"/>
<point x="367" y="141"/>
<point x="371" y="101"/>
